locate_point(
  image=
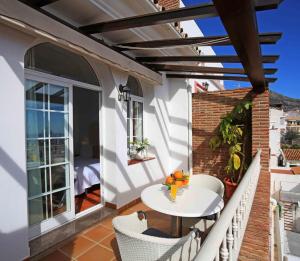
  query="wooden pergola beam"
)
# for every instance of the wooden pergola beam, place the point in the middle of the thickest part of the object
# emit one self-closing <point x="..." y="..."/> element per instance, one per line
<point x="202" y="69"/>
<point x="41" y="3"/>
<point x="222" y="40"/>
<point x="215" y="77"/>
<point x="180" y="14"/>
<point x="239" y="20"/>
<point x="72" y="27"/>
<point x="202" y="58"/>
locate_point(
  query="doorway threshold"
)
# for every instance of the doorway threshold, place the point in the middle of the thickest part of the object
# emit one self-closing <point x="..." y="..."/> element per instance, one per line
<point x="52" y="239"/>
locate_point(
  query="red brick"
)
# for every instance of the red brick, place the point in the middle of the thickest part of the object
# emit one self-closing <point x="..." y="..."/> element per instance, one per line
<point x="207" y="110"/>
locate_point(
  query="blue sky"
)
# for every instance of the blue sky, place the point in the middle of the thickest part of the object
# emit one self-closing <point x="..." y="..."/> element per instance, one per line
<point x="285" y="19"/>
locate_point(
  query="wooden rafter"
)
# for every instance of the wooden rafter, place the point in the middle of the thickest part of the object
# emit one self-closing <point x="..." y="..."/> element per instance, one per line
<point x="67" y="24"/>
<point x="202" y="69"/>
<point x="180" y="14"/>
<point x="215" y="77"/>
<point x="222" y="40"/>
<point x="239" y="20"/>
<point x="41" y="3"/>
<point x="202" y="58"/>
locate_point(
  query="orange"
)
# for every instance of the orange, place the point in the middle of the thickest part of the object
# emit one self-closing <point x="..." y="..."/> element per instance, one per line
<point x="178" y="183"/>
<point x="169" y="180"/>
<point x="178" y="174"/>
<point x="185" y="182"/>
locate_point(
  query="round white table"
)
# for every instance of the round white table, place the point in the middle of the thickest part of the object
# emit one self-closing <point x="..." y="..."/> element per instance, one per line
<point x="194" y="201"/>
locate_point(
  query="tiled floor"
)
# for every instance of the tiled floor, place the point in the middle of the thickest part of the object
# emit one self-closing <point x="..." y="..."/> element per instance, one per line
<point x="99" y="243"/>
<point x="88" y="200"/>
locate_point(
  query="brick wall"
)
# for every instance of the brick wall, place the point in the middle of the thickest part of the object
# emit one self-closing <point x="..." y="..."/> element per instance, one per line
<point x="256" y="244"/>
<point x="169" y="4"/>
<point x="208" y="108"/>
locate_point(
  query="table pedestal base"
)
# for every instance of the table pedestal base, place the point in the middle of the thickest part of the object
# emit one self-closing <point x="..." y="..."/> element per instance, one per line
<point x="176" y="226"/>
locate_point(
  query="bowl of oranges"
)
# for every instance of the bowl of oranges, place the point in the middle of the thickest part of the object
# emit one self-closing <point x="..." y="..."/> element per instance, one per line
<point x="179" y="178"/>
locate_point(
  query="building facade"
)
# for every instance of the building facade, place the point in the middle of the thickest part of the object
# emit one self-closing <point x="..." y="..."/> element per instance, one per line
<point x="277" y="130"/>
<point x="46" y="68"/>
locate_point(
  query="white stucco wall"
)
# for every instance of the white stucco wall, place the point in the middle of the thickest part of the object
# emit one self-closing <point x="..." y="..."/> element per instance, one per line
<point x="277" y="126"/>
<point x="284" y="182"/>
<point x="165" y="125"/>
<point x="166" y="117"/>
<point x="13" y="192"/>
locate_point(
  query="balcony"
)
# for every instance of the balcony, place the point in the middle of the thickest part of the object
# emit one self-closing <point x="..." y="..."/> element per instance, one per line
<point x="222" y="242"/>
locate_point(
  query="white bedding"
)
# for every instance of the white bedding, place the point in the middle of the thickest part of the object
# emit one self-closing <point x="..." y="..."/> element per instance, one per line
<point x="87" y="173"/>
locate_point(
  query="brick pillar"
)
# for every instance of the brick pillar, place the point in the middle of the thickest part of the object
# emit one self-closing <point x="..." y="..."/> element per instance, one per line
<point x="169" y="4"/>
<point x="256" y="243"/>
<point x="208" y="108"/>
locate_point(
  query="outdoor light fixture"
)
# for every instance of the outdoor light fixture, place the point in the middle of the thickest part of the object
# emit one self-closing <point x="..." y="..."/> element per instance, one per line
<point x="124" y="93"/>
<point x="205" y="85"/>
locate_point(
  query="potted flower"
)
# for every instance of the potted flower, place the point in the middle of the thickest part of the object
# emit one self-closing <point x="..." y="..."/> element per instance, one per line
<point x="140" y="148"/>
<point x="234" y="133"/>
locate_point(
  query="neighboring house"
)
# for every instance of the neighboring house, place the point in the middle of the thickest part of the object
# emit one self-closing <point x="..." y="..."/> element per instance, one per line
<point x="62" y="102"/>
<point x="292" y="157"/>
<point x="277" y="129"/>
<point x="285" y="189"/>
<point x="293" y="121"/>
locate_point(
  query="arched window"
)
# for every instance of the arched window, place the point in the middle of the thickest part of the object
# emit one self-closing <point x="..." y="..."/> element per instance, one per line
<point x="52" y="59"/>
<point x="134" y="113"/>
<point x="135" y="87"/>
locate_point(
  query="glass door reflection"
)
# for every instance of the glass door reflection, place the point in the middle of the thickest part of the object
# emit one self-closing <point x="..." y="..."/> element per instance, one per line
<point x="47" y="139"/>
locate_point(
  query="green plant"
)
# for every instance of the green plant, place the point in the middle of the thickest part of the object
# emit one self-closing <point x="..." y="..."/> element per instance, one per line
<point x="289" y="136"/>
<point x="234" y="133"/>
<point x="139" y="146"/>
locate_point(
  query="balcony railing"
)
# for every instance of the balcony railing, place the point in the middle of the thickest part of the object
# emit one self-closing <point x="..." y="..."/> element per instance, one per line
<point x="225" y="239"/>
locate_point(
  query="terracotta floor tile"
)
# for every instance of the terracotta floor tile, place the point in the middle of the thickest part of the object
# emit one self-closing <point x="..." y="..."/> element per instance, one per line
<point x="97" y="253"/>
<point x="107" y="222"/>
<point x="76" y="246"/>
<point x="135" y="208"/>
<point x="111" y="242"/>
<point x="98" y="233"/>
<point x="57" y="256"/>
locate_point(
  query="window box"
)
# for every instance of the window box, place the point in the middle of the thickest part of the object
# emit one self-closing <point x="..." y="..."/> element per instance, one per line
<point x="136" y="161"/>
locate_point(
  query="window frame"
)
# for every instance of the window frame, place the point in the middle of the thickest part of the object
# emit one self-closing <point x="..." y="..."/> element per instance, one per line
<point x="129" y="119"/>
<point x="51" y="223"/>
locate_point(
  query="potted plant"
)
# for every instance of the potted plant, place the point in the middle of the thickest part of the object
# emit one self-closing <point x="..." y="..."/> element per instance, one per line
<point x="234" y="133"/>
<point x="140" y="148"/>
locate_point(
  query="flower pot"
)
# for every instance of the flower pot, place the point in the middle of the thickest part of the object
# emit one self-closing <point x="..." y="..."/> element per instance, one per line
<point x="140" y="155"/>
<point x="230" y="187"/>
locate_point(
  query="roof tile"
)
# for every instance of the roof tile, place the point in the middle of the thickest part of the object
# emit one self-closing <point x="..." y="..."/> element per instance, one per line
<point x="292" y="154"/>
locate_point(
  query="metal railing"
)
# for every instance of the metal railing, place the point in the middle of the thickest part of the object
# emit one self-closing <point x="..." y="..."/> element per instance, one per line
<point x="224" y="240"/>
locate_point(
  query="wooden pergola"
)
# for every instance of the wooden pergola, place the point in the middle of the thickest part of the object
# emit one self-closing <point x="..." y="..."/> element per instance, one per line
<point x="238" y="18"/>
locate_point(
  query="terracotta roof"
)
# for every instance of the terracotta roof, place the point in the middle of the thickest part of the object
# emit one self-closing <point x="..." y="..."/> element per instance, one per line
<point x="296" y="170"/>
<point x="292" y="154"/>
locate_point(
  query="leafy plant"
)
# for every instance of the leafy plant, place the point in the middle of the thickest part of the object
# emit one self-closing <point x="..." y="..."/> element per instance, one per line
<point x="289" y="136"/>
<point x="233" y="133"/>
<point x="139" y="146"/>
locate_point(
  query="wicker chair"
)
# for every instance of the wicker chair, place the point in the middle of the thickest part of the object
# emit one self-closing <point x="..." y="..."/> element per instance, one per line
<point x="204" y="224"/>
<point x="138" y="242"/>
<point x="208" y="182"/>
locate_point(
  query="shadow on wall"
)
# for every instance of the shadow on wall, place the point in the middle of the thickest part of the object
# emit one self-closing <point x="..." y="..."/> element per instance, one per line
<point x="9" y="252"/>
<point x="17" y="173"/>
<point x="211" y="107"/>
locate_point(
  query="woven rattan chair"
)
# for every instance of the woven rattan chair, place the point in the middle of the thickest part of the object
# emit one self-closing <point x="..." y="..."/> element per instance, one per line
<point x="209" y="182"/>
<point x="138" y="242"/>
<point x="204" y="224"/>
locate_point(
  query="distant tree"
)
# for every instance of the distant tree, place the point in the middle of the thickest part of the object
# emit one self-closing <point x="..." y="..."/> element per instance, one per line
<point x="290" y="135"/>
<point x="295" y="146"/>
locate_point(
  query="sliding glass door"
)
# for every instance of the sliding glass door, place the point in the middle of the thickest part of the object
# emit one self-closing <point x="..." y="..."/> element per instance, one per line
<point x="48" y="154"/>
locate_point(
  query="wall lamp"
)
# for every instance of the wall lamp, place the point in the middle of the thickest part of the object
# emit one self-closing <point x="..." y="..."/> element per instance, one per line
<point x="205" y="85"/>
<point x="124" y="93"/>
